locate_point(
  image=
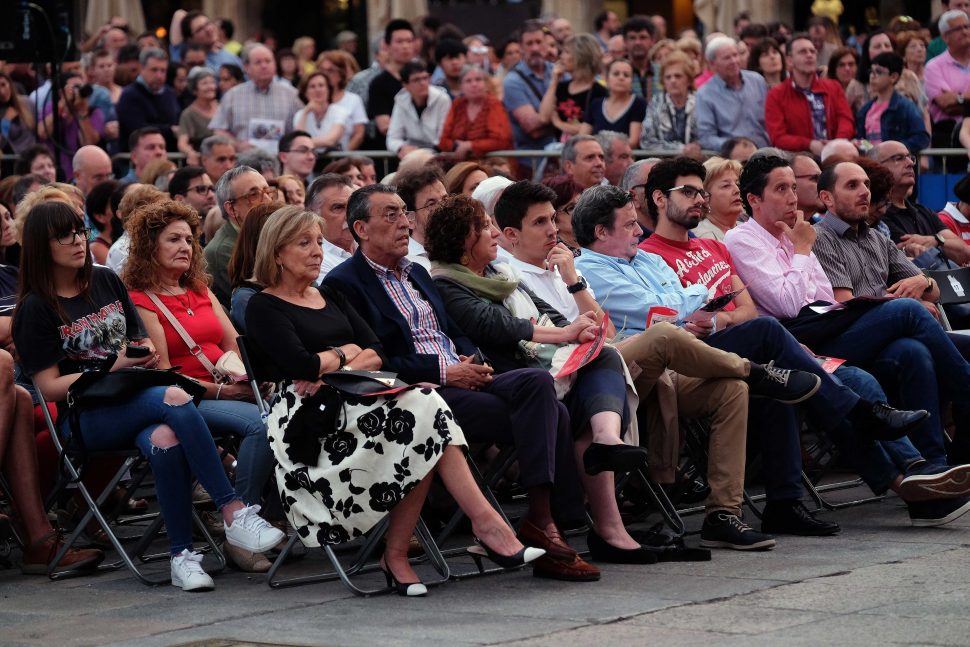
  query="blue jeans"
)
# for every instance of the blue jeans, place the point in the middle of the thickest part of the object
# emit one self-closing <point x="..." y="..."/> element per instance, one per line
<point x="877" y="463"/>
<point x="120" y="426"/>
<point x="255" y="460"/>
<point x="775" y="426"/>
<point x="904" y="346"/>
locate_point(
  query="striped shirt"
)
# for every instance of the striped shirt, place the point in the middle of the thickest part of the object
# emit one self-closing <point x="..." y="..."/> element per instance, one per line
<point x="426" y="331"/>
<point x="259" y="117"/>
<point x="862" y="260"/>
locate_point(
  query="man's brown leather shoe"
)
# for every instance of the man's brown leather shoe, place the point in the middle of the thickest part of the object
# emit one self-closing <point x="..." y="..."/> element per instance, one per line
<point x="577" y="570"/>
<point x="552" y="542"/>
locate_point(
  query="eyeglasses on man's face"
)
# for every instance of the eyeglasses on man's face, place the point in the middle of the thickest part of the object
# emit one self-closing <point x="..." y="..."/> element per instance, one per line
<point x="690" y="192"/>
<point x="899" y="157"/>
<point x="392" y="214"/>
<point x="256" y="195"/>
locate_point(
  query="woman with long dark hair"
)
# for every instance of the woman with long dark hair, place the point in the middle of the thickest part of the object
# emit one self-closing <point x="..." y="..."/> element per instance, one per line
<point x="74" y="318"/>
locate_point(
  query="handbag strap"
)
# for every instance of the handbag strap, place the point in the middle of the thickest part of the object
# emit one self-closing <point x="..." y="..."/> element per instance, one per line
<point x="194" y="349"/>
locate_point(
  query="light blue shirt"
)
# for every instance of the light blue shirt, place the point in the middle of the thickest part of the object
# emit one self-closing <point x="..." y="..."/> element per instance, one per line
<point x="723" y="112"/>
<point x="517" y="93"/>
<point x="627" y="289"/>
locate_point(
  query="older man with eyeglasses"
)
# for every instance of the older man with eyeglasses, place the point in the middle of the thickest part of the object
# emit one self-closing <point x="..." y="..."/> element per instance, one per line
<point x="238" y="191"/>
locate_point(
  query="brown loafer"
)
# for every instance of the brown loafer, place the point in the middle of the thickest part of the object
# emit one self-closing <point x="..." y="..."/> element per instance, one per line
<point x="577" y="570"/>
<point x="551" y="542"/>
<point x="39" y="555"/>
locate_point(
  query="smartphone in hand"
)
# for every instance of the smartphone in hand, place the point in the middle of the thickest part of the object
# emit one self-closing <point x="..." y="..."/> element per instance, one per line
<point x="136" y="352"/>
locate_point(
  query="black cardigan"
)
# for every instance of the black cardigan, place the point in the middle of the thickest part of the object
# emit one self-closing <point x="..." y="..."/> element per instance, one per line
<point x="491" y="326"/>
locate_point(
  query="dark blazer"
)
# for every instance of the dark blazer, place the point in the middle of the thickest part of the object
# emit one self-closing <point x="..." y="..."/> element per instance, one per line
<point x="358" y="283"/>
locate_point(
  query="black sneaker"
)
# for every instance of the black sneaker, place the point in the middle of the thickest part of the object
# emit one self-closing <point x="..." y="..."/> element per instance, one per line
<point x="793" y="518"/>
<point x="925" y="514"/>
<point x="725" y="530"/>
<point x="879" y="421"/>
<point x="788" y="386"/>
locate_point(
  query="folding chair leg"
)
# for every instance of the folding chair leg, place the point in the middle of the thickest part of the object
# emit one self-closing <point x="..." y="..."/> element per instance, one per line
<point x="662" y="503"/>
<point x="815" y="491"/>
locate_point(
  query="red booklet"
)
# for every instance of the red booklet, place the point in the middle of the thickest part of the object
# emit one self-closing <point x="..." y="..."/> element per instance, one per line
<point x="585" y="352"/>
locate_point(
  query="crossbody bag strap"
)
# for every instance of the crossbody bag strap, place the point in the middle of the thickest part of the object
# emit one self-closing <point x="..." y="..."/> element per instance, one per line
<point x="194" y="349"/>
<point x="528" y="82"/>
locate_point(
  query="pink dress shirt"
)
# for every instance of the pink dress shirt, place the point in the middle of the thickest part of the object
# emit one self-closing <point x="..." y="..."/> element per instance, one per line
<point x="944" y="74"/>
<point x="780" y="281"/>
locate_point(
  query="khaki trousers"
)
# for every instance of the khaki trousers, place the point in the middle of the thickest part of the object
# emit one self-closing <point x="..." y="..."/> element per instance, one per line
<point x="679" y="375"/>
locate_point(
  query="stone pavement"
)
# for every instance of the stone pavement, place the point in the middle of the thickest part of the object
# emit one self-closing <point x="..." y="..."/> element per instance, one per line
<point x="880" y="582"/>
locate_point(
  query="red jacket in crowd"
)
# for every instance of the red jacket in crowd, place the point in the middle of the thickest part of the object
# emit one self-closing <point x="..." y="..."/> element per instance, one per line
<point x="788" y="117"/>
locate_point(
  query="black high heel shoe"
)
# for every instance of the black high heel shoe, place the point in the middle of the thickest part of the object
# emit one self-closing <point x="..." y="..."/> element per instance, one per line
<point x="613" y="458"/>
<point x="524" y="556"/>
<point x="602" y="551"/>
<point x="407" y="589"/>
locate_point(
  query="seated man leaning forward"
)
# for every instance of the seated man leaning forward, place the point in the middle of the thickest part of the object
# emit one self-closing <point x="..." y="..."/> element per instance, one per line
<point x="629" y="282"/>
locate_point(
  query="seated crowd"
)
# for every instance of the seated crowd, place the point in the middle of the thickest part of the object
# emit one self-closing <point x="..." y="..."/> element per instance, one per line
<point x="474" y="288"/>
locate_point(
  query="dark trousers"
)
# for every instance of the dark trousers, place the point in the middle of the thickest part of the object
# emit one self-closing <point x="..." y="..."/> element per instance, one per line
<point x="520" y="408"/>
<point x="774" y="427"/>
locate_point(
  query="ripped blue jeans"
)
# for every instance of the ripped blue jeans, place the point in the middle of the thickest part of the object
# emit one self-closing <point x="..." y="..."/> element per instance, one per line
<point x="173" y="465"/>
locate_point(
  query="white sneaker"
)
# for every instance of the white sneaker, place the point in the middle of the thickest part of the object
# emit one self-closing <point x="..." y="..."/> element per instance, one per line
<point x="187" y="572"/>
<point x="252" y="532"/>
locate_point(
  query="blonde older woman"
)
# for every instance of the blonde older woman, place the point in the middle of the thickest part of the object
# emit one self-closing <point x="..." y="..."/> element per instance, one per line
<point x="725" y="206"/>
<point x="377" y="454"/>
<point x="670" y="123"/>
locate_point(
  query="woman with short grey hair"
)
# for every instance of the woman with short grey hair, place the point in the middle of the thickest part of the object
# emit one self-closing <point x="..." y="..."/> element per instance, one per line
<point x="194" y="123"/>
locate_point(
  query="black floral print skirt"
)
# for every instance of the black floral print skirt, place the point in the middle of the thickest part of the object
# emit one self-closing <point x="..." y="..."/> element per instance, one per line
<point x="379" y="450"/>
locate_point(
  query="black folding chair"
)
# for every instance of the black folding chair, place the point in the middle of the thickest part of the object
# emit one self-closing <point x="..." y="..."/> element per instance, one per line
<point x="954" y="290"/>
<point x="72" y="465"/>
<point x="362" y="549"/>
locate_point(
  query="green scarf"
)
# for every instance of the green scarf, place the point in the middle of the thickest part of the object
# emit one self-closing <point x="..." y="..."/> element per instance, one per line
<point x="495" y="288"/>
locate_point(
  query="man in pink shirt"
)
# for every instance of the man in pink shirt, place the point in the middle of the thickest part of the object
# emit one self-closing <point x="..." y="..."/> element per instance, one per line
<point x="947" y="77"/>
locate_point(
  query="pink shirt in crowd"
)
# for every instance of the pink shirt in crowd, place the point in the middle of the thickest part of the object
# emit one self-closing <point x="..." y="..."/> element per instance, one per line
<point x="780" y="281"/>
<point x="944" y="74"/>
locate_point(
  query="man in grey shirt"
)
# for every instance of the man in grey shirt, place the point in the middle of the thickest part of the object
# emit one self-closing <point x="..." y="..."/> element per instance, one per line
<point x="732" y="102"/>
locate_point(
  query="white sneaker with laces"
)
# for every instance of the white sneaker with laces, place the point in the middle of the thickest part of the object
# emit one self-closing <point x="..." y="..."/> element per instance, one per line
<point x="252" y="532"/>
<point x="187" y="572"/>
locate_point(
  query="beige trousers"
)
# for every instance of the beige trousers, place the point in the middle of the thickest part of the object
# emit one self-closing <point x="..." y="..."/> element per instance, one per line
<point x="678" y="375"/>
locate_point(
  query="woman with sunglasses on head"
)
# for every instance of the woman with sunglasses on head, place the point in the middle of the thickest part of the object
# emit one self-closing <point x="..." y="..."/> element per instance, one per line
<point x="73" y="318"/>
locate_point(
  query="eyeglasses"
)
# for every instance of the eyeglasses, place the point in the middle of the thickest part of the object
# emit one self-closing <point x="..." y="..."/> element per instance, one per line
<point x="203" y="189"/>
<point x="301" y="150"/>
<point x="690" y="192"/>
<point x="638" y="186"/>
<point x="431" y="204"/>
<point x="875" y="71"/>
<point x="568" y="209"/>
<point x="391" y="214"/>
<point x="256" y="195"/>
<point x="68" y="239"/>
<point x="957" y="28"/>
<point x="814" y="177"/>
<point x="899" y="157"/>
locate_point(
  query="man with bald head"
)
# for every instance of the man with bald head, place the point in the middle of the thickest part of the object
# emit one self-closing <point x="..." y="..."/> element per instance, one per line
<point x="916" y="229"/>
<point x="259" y="111"/>
<point x="92" y="166"/>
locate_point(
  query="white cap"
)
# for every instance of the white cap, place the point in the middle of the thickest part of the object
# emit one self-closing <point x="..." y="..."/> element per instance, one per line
<point x="489" y="191"/>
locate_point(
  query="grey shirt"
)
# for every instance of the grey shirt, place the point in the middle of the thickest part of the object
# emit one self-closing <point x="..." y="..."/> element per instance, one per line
<point x="862" y="260"/>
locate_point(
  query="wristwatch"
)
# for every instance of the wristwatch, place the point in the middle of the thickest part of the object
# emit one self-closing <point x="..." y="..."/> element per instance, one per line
<point x="578" y="286"/>
<point x="939" y="239"/>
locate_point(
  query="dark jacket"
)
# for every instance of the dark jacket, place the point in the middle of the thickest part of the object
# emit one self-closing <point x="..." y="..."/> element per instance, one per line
<point x="901" y="122"/>
<point x="358" y="283"/>
<point x="491" y="325"/>
<point x="138" y="107"/>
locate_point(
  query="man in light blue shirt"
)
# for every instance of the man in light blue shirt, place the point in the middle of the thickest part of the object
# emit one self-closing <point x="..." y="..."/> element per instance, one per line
<point x="732" y="103"/>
